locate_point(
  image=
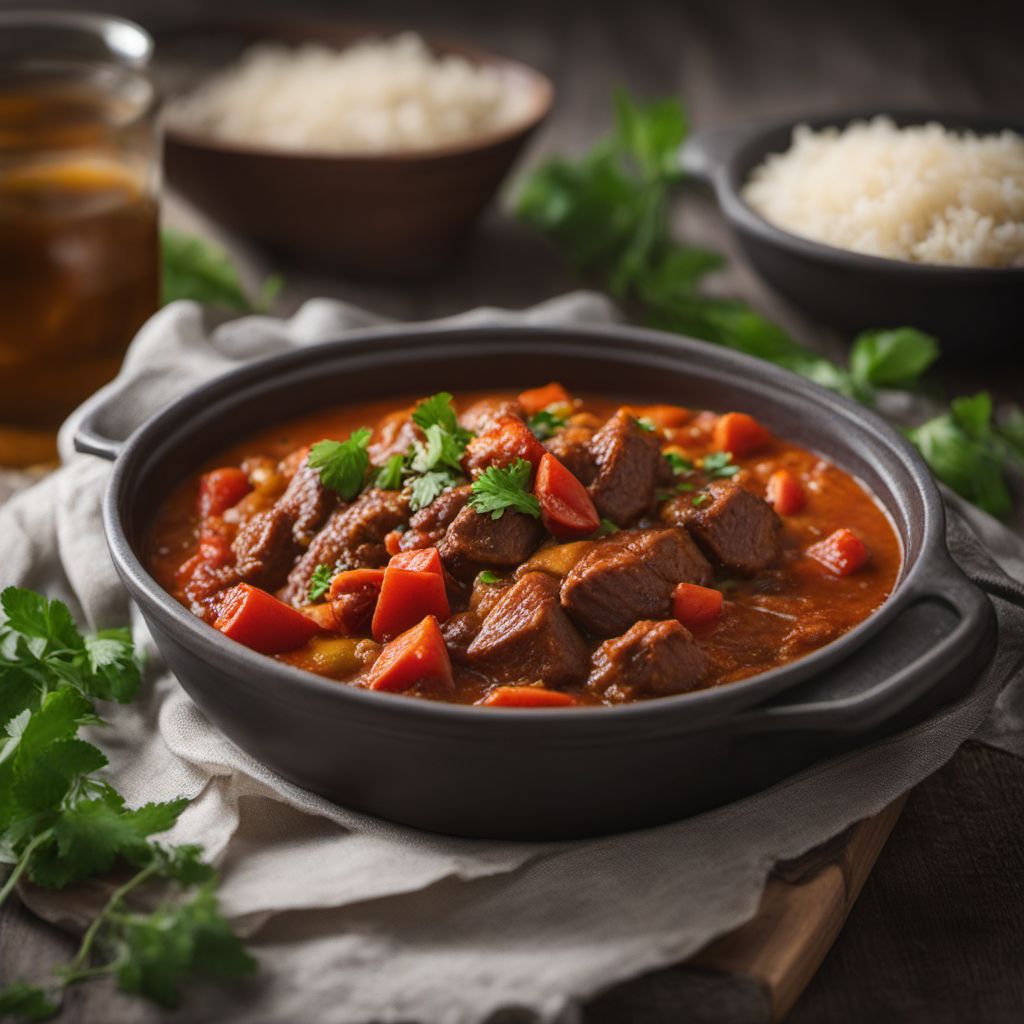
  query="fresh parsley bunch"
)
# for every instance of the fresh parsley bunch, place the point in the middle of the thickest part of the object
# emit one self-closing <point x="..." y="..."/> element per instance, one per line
<point x="608" y="214"/>
<point x="61" y="822"/>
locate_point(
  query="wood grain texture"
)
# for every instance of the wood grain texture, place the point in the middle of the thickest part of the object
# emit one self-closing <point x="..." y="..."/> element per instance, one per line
<point x="937" y="934"/>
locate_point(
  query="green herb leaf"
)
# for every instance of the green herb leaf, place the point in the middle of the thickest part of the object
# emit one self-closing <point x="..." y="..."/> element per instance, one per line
<point x="33" y="615"/>
<point x="429" y="486"/>
<point x="441" y="450"/>
<point x="320" y="582"/>
<point x="545" y="424"/>
<point x="719" y="465"/>
<point x="389" y="477"/>
<point x="438" y="410"/>
<point x="645" y="424"/>
<point x="892" y="359"/>
<point x="195" y="269"/>
<point x="700" y="499"/>
<point x="115" y="669"/>
<point x="26" y="1001"/>
<point x="343" y="464"/>
<point x="488" y="577"/>
<point x="680" y="466"/>
<point x="606" y="528"/>
<point x="497" y="489"/>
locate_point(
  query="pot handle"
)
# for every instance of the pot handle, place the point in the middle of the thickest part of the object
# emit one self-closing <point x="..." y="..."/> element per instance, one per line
<point x="88" y="437"/>
<point x="943" y="583"/>
<point x="706" y="154"/>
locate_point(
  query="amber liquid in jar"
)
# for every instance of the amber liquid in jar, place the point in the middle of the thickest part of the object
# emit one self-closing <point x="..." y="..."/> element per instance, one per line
<point x="79" y="259"/>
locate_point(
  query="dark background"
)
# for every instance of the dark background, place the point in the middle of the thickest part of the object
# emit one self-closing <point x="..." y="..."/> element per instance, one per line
<point x="938" y="933"/>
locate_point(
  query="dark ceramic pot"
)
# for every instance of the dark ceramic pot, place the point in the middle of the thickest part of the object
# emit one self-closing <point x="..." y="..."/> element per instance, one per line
<point x="971" y="310"/>
<point x="544" y="774"/>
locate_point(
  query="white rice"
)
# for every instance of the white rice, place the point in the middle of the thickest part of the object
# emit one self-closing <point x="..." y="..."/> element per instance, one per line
<point x="375" y="96"/>
<point x="920" y="193"/>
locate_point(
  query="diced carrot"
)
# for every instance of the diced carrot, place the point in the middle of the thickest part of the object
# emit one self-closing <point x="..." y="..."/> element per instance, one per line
<point x="214" y="551"/>
<point x="419" y="655"/>
<point x="536" y="399"/>
<point x="740" y="434"/>
<point x="664" y="417"/>
<point x="352" y="599"/>
<point x="509" y="439"/>
<point x="323" y="615"/>
<point x="784" y="493"/>
<point x="392" y="542"/>
<point x="418" y="560"/>
<point x="405" y="597"/>
<point x="526" y="697"/>
<point x="696" y="606"/>
<point x="842" y="552"/>
<point x="565" y="506"/>
<point x="220" y="489"/>
<point x="259" y="620"/>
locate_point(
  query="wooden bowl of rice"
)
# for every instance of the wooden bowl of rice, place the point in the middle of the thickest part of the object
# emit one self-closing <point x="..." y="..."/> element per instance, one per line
<point x="910" y="219"/>
<point x="348" y="147"/>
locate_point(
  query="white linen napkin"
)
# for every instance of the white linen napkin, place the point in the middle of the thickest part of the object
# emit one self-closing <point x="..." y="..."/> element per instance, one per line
<point x="355" y="919"/>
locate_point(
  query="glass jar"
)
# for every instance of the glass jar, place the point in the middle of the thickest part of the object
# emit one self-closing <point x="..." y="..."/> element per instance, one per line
<point x="79" y="241"/>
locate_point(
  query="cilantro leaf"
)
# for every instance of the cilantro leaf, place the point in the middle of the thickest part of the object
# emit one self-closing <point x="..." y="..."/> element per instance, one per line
<point x="438" y="411"/>
<point x="195" y="269"/>
<point x="343" y="464"/>
<point x="442" y="451"/>
<point x="389" y="477"/>
<point x="645" y="424"/>
<point x="320" y="582"/>
<point x="606" y="528"/>
<point x="429" y="486"/>
<point x="497" y="489"/>
<point x="892" y="359"/>
<point x="700" y="499"/>
<point x="680" y="466"/>
<point x="487" y="577"/>
<point x="545" y="424"/>
<point x="33" y="615"/>
<point x="115" y="669"/>
<point x="26" y="1001"/>
<point x="719" y="465"/>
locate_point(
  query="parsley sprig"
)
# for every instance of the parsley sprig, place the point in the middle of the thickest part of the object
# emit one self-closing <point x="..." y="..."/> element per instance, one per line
<point x="435" y="463"/>
<point x="497" y="489"/>
<point x="545" y="424"/>
<point x="343" y="464"/>
<point x="608" y="213"/>
<point x="62" y="822"/>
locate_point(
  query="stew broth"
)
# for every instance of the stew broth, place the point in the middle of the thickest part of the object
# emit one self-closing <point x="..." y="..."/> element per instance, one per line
<point x="794" y="604"/>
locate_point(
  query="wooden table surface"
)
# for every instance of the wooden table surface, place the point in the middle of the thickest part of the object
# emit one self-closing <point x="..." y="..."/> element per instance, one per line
<point x="938" y="933"/>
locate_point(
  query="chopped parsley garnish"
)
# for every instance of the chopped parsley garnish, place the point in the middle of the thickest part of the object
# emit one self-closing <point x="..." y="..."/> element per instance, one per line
<point x="343" y="464"/>
<point x="645" y="424"/>
<point x="607" y="528"/>
<point x="427" y="487"/>
<point x="545" y="424"/>
<point x="488" y="577"/>
<point x="719" y="465"/>
<point x="680" y="466"/>
<point x="701" y="499"/>
<point x="320" y="582"/>
<point x="389" y="476"/>
<point x="435" y="463"/>
<point x="497" y="489"/>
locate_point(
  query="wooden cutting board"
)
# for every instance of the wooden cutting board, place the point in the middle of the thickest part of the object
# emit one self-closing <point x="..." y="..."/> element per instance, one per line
<point x="756" y="973"/>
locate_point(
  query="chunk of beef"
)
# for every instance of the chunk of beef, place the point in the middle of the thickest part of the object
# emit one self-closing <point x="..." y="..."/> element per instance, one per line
<point x="475" y="541"/>
<point x="307" y="503"/>
<point x="651" y="659"/>
<point x="482" y="415"/>
<point x="572" y="448"/>
<point x="736" y="528"/>
<point x="628" y="463"/>
<point x="459" y="631"/>
<point x="631" y="576"/>
<point x="428" y="525"/>
<point x="352" y="537"/>
<point x="527" y="637"/>
<point x="508" y="439"/>
<point x="265" y="548"/>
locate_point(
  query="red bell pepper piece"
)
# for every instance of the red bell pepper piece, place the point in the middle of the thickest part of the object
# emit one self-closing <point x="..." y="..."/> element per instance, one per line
<point x="220" y="489"/>
<point x="352" y="598"/>
<point x="565" y="506"/>
<point x="784" y="493"/>
<point x="842" y="552"/>
<point x="509" y="439"/>
<point x="405" y="597"/>
<point x="740" y="434"/>
<point x="526" y="697"/>
<point x="536" y="399"/>
<point x="696" y="606"/>
<point x="416" y="656"/>
<point x="418" y="560"/>
<point x="258" y="620"/>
